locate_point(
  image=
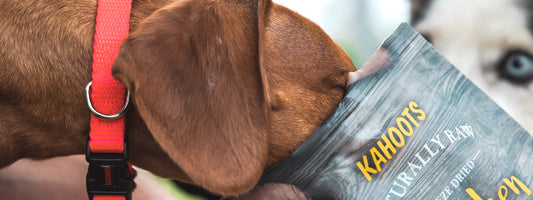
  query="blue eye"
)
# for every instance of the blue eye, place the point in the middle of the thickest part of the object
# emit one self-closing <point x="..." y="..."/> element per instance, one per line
<point x="517" y="67"/>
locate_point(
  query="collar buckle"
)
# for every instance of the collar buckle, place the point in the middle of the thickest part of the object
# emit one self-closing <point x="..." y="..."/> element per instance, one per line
<point x="109" y="174"/>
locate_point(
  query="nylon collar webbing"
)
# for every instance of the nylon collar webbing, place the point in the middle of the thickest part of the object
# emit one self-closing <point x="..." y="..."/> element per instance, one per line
<point x="109" y="176"/>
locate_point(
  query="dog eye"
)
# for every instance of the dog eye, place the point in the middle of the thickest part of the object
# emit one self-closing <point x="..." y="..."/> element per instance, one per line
<point x="341" y="88"/>
<point x="517" y="67"/>
<point x="337" y="80"/>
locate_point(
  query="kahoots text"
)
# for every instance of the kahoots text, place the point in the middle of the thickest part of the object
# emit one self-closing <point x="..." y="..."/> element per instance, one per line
<point x="393" y="139"/>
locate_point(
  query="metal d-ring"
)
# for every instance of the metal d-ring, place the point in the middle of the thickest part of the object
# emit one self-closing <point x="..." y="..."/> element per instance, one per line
<point x="98" y="114"/>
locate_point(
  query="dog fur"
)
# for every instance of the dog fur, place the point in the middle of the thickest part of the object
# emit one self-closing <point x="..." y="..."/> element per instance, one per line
<point x="221" y="89"/>
<point x="491" y="42"/>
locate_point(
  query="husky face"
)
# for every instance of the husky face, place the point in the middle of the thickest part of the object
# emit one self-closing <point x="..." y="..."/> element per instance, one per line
<point x="491" y="42"/>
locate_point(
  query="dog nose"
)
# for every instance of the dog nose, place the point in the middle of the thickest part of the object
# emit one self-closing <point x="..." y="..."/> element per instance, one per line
<point x="379" y="60"/>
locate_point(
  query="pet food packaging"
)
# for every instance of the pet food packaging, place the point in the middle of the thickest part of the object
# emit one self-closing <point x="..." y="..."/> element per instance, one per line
<point x="417" y="129"/>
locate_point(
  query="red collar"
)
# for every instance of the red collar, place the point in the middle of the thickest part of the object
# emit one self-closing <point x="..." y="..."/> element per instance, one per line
<point x="109" y="176"/>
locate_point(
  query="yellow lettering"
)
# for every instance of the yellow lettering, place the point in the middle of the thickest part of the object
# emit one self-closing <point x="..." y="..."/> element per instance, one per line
<point x="366" y="169"/>
<point x="413" y="107"/>
<point x="502" y="195"/>
<point x="513" y="187"/>
<point x="389" y="143"/>
<point x="387" y="147"/>
<point x="400" y="137"/>
<point x="401" y="121"/>
<point x="473" y="194"/>
<point x="377" y="158"/>
<point x="503" y="191"/>
<point x="406" y="113"/>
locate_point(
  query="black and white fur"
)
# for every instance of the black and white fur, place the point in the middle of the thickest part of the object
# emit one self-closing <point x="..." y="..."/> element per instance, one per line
<point x="491" y="42"/>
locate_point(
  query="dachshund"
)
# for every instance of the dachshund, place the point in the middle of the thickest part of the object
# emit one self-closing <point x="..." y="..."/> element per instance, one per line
<point x="221" y="89"/>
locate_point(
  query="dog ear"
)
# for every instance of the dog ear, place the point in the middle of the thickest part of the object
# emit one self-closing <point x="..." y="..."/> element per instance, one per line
<point x="193" y="69"/>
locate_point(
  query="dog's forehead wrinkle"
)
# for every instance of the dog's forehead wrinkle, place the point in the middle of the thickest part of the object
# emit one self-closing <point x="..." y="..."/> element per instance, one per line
<point x="213" y="73"/>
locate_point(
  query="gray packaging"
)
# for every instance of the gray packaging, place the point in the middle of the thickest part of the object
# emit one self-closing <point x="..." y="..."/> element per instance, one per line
<point x="417" y="129"/>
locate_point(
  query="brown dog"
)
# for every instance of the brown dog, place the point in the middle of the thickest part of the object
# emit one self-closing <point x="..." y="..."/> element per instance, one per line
<point x="222" y="89"/>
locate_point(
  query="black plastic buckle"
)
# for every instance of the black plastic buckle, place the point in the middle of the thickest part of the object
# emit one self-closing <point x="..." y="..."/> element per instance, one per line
<point x="109" y="174"/>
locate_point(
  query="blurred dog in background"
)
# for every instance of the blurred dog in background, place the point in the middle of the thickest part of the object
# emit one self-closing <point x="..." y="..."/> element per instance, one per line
<point x="491" y="42"/>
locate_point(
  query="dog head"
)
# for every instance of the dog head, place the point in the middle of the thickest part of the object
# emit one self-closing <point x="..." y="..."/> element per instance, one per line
<point x="491" y="42"/>
<point x="229" y="88"/>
